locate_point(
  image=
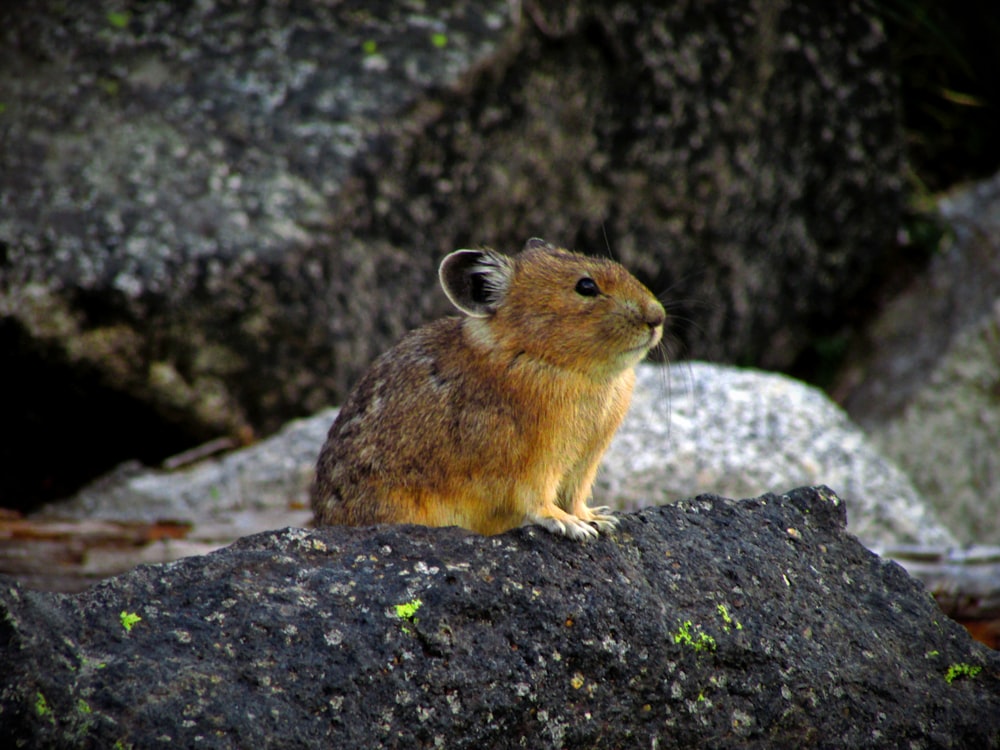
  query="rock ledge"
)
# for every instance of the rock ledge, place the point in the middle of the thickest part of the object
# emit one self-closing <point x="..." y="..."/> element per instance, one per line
<point x="713" y="622"/>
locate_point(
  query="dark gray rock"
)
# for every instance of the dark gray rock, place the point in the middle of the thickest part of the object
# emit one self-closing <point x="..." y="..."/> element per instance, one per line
<point x="214" y="215"/>
<point x="714" y="623"/>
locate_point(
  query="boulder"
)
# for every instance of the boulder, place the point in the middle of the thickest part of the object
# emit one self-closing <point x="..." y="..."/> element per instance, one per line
<point x="216" y="214"/>
<point x="925" y="378"/>
<point x="754" y="623"/>
<point x="948" y="437"/>
<point x="703" y="428"/>
<point x="952" y="297"/>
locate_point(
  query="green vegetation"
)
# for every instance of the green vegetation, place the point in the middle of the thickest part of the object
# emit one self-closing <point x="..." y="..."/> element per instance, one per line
<point x="961" y="670"/>
<point x="407" y="610"/>
<point x="42" y="707"/>
<point x="692" y="635"/>
<point x="119" y="19"/>
<point x="727" y="619"/>
<point x="128" y="620"/>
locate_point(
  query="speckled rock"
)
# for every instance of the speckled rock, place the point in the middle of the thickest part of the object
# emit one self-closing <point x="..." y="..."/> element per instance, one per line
<point x="926" y="380"/>
<point x="215" y="214"/>
<point x="948" y="437"/>
<point x="697" y="427"/>
<point x="758" y="623"/>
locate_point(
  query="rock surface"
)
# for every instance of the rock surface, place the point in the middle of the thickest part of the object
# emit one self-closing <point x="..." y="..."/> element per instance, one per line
<point x="948" y="437"/>
<point x="927" y="389"/>
<point x="757" y="623"/>
<point x="952" y="297"/>
<point x="738" y="432"/>
<point x="215" y="215"/>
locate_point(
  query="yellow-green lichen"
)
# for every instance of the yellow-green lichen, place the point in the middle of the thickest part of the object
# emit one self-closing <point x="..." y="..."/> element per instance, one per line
<point x="128" y="620"/>
<point x="42" y="707"/>
<point x="727" y="619"/>
<point x="692" y="635"/>
<point x="407" y="610"/>
<point x="87" y="663"/>
<point x="118" y="19"/>
<point x="961" y="670"/>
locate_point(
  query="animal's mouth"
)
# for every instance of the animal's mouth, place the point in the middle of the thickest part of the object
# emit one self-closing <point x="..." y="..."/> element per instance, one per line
<point x="652" y="339"/>
<point x="654" y="336"/>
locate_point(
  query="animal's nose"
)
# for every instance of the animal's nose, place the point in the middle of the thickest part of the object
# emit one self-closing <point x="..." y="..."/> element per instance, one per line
<point x="655" y="315"/>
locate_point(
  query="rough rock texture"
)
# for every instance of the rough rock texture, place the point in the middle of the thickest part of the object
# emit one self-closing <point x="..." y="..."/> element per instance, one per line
<point x="757" y="623"/>
<point x="948" y="437"/>
<point x="214" y="215"/>
<point x="953" y="297"/>
<point x="928" y="389"/>
<point x="697" y="428"/>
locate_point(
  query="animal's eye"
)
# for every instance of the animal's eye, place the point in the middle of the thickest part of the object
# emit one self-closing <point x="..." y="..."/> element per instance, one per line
<point x="587" y="287"/>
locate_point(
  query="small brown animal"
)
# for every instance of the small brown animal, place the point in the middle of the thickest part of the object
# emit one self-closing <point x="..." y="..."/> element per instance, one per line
<point x="499" y="418"/>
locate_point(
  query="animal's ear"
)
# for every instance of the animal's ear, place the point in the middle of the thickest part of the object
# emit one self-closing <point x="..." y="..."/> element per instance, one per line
<point x="536" y="243"/>
<point x="476" y="281"/>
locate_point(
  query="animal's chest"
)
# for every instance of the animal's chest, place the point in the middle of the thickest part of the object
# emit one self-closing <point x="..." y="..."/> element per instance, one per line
<point x="581" y="421"/>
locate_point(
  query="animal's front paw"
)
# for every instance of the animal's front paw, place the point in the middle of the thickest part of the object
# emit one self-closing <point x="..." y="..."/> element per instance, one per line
<point x="565" y="524"/>
<point x="600" y="517"/>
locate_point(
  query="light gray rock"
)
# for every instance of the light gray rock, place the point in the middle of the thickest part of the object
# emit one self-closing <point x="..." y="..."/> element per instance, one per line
<point x="254" y="489"/>
<point x="928" y="391"/>
<point x="948" y="436"/>
<point x="701" y="428"/>
<point x="953" y="296"/>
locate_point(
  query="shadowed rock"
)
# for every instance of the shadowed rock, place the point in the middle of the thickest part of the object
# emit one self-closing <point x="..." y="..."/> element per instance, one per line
<point x="753" y="623"/>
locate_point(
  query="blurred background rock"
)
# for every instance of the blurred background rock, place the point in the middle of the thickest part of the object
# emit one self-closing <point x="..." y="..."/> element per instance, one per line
<point x="214" y="215"/>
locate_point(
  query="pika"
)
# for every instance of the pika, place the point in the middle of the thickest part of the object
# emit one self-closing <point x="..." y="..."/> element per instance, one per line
<point x="499" y="418"/>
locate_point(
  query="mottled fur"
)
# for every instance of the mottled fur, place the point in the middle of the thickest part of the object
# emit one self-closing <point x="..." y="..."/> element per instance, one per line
<point x="499" y="418"/>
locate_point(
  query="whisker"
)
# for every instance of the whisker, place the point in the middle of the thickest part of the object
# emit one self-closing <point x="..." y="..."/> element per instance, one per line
<point x="688" y="322"/>
<point x="607" y="242"/>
